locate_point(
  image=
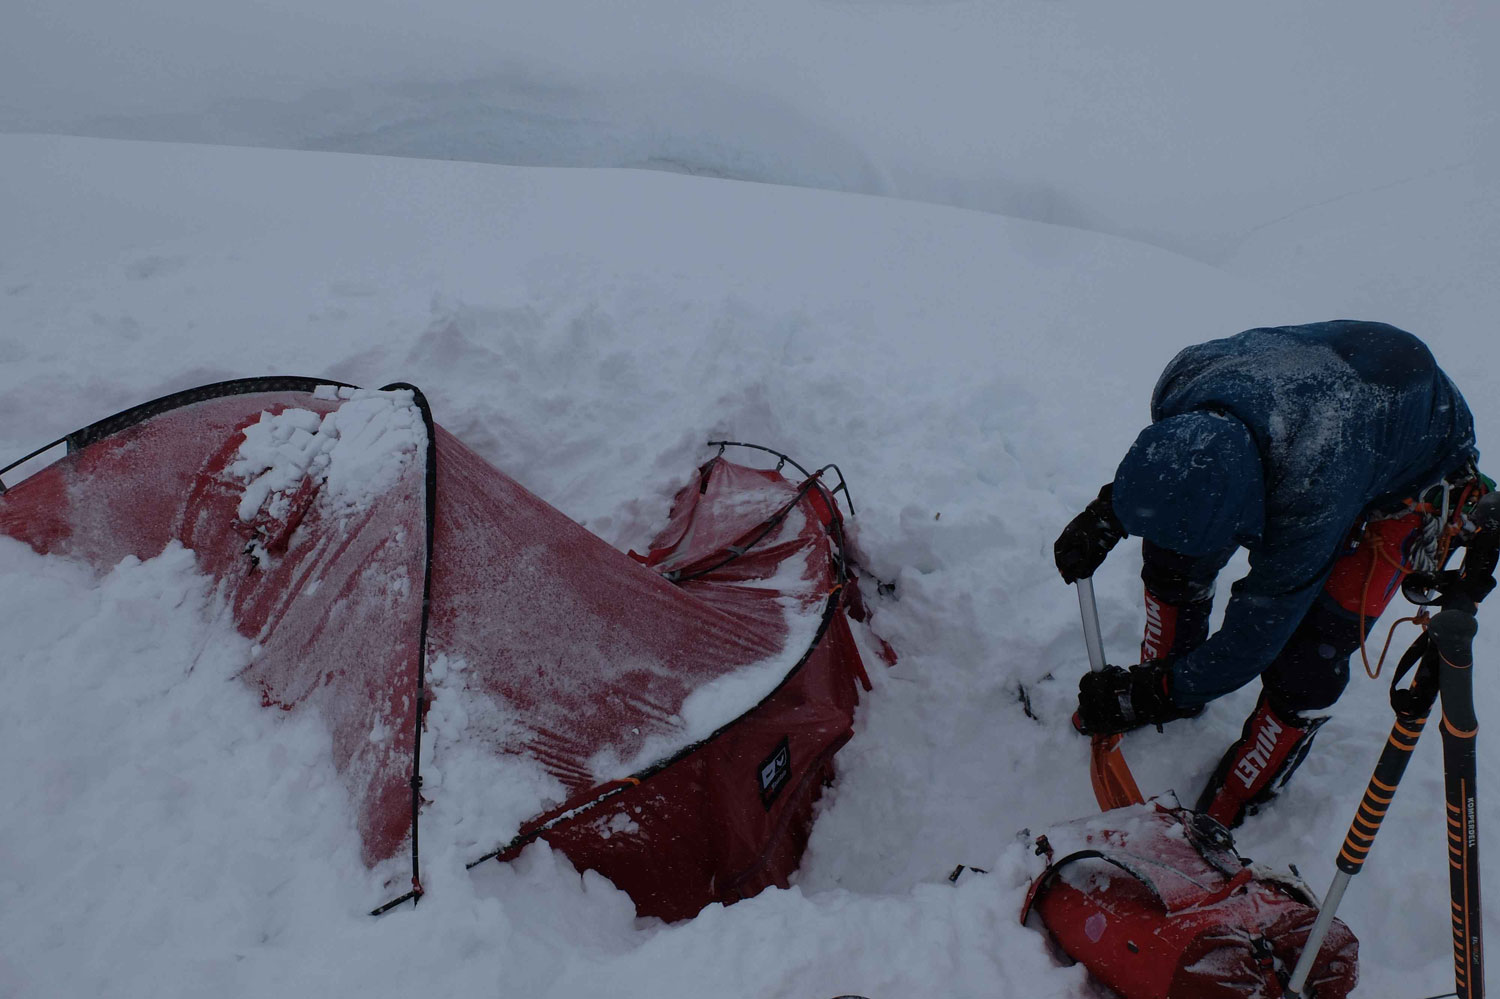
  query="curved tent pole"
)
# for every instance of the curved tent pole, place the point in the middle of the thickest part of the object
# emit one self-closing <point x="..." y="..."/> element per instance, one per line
<point x="100" y="429"/>
<point x="786" y="460"/>
<point x="123" y="420"/>
<point x="420" y="400"/>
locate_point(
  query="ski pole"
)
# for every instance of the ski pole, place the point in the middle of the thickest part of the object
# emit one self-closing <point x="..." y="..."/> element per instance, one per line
<point x="1455" y="644"/>
<point x="1446" y="653"/>
<point x="1453" y="630"/>
<point x="1372" y="808"/>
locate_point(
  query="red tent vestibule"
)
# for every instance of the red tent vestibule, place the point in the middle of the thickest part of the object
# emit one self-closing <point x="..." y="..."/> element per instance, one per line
<point x="688" y="702"/>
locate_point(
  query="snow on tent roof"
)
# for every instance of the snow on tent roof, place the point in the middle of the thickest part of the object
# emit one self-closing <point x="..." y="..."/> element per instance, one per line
<point x="688" y="702"/>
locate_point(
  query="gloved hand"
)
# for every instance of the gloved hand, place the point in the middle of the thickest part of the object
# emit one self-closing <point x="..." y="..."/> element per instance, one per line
<point x="1118" y="700"/>
<point x="1081" y="547"/>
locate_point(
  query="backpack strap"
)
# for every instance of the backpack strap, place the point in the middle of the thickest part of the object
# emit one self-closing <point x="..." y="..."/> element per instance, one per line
<point x="1047" y="877"/>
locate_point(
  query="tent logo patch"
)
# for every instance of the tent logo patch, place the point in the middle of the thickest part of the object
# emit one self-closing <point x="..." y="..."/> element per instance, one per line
<point x="774" y="772"/>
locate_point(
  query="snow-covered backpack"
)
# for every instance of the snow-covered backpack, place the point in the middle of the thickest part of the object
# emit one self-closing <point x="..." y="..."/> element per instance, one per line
<point x="1156" y="904"/>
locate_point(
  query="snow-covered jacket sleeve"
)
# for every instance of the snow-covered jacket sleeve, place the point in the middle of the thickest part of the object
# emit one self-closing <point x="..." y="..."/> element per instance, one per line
<point x="1288" y="569"/>
<point x="1264" y="609"/>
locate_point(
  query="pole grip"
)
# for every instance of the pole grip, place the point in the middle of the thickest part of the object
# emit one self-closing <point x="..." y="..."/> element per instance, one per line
<point x="1379" y="792"/>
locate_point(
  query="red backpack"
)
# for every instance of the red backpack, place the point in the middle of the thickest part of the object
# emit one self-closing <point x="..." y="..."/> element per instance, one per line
<point x="1156" y="904"/>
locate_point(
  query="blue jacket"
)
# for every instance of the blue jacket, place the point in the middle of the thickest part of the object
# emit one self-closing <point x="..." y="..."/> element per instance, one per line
<point x="1315" y="426"/>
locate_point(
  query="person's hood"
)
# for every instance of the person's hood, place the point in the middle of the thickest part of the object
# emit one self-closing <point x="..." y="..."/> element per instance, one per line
<point x="1192" y="483"/>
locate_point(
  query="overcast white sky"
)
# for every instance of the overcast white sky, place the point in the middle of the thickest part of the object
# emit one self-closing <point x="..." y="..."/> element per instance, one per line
<point x="1184" y="124"/>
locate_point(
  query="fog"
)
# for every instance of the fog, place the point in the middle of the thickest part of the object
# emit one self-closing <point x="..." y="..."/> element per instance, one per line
<point x="1186" y="125"/>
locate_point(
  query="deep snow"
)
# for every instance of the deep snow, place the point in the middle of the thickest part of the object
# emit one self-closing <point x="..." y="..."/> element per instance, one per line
<point x="975" y="376"/>
<point x="587" y="331"/>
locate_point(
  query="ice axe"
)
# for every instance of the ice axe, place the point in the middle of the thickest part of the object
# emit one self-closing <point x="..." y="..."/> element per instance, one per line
<point x="1114" y="787"/>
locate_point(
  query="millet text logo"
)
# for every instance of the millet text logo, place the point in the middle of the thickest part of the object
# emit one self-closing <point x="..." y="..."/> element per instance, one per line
<point x="1151" y="644"/>
<point x="1255" y="761"/>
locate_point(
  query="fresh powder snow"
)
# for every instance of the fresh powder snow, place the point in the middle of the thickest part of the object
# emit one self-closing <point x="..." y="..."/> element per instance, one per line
<point x="978" y="232"/>
<point x="351" y="455"/>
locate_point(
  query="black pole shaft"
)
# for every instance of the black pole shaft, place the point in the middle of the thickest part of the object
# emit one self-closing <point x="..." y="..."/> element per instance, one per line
<point x="1453" y="633"/>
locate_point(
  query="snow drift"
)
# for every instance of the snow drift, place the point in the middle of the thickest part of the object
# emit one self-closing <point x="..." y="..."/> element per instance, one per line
<point x="685" y="706"/>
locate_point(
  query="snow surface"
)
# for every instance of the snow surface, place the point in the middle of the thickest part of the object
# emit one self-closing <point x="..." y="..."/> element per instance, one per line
<point x="975" y="376"/>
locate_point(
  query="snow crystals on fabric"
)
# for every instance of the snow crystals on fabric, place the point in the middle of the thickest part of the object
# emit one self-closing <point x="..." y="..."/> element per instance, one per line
<point x="721" y="700"/>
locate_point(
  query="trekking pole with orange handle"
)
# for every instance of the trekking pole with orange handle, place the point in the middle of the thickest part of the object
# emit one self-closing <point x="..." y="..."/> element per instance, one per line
<point x="1445" y="652"/>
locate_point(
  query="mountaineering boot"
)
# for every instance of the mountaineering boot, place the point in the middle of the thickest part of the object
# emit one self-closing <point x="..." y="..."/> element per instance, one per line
<point x="1257" y="766"/>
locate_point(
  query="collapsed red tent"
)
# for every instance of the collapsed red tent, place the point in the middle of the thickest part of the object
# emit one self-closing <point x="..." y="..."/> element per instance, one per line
<point x="687" y="705"/>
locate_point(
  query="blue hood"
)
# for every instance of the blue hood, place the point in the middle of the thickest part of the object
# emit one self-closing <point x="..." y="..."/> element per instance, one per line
<point x="1192" y="483"/>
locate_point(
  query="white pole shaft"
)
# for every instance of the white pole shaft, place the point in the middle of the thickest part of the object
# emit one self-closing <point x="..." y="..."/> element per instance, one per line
<point x="1319" y="932"/>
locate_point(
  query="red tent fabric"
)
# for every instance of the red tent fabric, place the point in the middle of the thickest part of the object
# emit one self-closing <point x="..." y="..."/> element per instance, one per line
<point x="689" y="702"/>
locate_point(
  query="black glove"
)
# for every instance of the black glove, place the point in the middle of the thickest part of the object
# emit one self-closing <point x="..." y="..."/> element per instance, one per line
<point x="1118" y="700"/>
<point x="1081" y="547"/>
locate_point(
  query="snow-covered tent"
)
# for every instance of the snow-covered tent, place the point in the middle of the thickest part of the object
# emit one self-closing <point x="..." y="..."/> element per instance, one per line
<point x="687" y="702"/>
